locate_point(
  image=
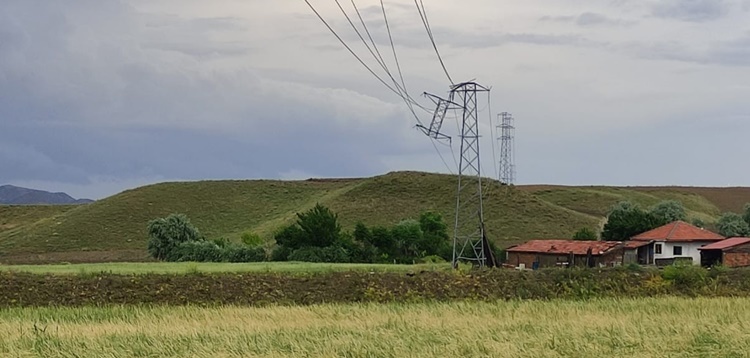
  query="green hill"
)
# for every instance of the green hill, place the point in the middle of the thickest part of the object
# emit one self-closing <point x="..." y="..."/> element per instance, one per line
<point x="114" y="229"/>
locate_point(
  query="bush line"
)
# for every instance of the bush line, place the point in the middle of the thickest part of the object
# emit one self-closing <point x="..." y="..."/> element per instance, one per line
<point x="25" y="289"/>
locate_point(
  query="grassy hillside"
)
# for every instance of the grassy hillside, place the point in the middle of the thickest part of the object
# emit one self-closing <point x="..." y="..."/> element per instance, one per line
<point x="114" y="229"/>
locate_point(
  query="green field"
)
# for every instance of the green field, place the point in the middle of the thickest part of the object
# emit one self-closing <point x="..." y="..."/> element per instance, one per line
<point x="127" y="268"/>
<point x="114" y="229"/>
<point x="656" y="327"/>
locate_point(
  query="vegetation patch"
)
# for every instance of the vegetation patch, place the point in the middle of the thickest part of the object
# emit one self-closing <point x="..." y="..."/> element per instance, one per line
<point x="25" y="289"/>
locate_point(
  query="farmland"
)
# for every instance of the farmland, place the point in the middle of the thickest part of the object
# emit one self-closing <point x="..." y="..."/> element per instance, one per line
<point x="595" y="328"/>
<point x="114" y="229"/>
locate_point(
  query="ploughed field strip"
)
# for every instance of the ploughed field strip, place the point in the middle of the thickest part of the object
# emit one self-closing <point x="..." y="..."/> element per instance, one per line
<point x="27" y="289"/>
<point x="610" y="327"/>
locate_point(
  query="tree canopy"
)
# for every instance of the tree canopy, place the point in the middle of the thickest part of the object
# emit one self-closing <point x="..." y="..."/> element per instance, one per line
<point x="732" y="224"/>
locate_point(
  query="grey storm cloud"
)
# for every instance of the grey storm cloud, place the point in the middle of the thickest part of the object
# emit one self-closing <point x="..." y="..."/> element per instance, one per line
<point x="588" y="19"/>
<point x="692" y="10"/>
<point x="95" y="89"/>
<point x="99" y="95"/>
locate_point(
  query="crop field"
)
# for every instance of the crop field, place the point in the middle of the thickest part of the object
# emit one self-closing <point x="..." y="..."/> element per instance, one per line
<point x="653" y="327"/>
<point x="212" y="267"/>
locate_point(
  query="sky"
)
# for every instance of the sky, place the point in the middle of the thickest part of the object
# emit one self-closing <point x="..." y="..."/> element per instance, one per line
<point x="99" y="96"/>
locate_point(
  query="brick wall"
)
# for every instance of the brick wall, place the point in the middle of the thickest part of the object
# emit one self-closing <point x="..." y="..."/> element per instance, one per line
<point x="517" y="258"/>
<point x="736" y="259"/>
<point x="738" y="256"/>
<point x="552" y="260"/>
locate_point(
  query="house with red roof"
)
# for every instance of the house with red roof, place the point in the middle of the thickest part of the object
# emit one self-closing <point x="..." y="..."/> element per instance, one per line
<point x="732" y="252"/>
<point x="677" y="241"/>
<point x="536" y="254"/>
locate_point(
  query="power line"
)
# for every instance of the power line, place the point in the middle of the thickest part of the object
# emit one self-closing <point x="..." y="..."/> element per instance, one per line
<point x="492" y="128"/>
<point x="426" y="22"/>
<point x="352" y="51"/>
<point x="376" y="53"/>
<point x="378" y="58"/>
<point x="390" y="38"/>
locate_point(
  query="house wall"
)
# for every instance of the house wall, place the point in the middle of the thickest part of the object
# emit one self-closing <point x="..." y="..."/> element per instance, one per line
<point x="689" y="249"/>
<point x="738" y="256"/>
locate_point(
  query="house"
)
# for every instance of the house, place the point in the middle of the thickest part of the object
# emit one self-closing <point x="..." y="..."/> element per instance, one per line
<point x="565" y="253"/>
<point x="732" y="252"/>
<point x="677" y="241"/>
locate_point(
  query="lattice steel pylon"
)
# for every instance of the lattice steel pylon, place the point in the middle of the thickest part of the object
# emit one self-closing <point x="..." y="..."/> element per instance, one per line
<point x="507" y="161"/>
<point x="469" y="239"/>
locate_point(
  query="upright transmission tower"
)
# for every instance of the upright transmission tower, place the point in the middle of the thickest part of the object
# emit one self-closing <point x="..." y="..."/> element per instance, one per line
<point x="469" y="240"/>
<point x="507" y="148"/>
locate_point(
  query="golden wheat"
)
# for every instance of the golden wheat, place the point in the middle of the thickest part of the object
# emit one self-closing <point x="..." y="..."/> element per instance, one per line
<point x="599" y="328"/>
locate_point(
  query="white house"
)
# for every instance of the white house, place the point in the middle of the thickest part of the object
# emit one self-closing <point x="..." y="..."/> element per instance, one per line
<point x="676" y="241"/>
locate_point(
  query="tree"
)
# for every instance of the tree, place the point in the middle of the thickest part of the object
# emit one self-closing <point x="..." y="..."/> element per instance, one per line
<point x="746" y="213"/>
<point x="669" y="211"/>
<point x="291" y="237"/>
<point x="165" y="234"/>
<point x="585" y="234"/>
<point x="435" y="238"/>
<point x="362" y="233"/>
<point x="408" y="236"/>
<point x="320" y="226"/>
<point x="626" y="220"/>
<point x="732" y="224"/>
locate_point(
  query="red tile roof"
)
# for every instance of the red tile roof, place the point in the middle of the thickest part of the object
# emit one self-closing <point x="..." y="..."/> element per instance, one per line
<point x="565" y="247"/>
<point x="678" y="231"/>
<point x="726" y="244"/>
<point x="636" y="244"/>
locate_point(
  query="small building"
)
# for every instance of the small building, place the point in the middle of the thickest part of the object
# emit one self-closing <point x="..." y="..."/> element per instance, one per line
<point x="565" y="253"/>
<point x="638" y="252"/>
<point x="732" y="252"/>
<point x="677" y="241"/>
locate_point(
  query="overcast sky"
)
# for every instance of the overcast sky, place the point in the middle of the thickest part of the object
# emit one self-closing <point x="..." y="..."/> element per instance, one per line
<point x="97" y="96"/>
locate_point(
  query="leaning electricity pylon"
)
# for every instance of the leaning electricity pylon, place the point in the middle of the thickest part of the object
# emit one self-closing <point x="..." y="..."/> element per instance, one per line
<point x="442" y="108"/>
<point x="507" y="149"/>
<point x="469" y="240"/>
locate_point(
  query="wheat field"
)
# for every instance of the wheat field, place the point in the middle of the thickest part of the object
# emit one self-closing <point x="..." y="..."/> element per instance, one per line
<point x="655" y="327"/>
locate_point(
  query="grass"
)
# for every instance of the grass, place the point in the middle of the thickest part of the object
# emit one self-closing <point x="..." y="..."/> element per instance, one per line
<point x="114" y="229"/>
<point x="598" y="328"/>
<point x="210" y="267"/>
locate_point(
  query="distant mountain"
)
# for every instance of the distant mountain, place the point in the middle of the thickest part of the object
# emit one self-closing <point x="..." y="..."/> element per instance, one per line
<point x="14" y="195"/>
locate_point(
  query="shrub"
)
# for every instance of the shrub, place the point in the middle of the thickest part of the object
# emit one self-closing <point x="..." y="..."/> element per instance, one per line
<point x="251" y="239"/>
<point x="307" y="254"/>
<point x="198" y="251"/>
<point x="165" y="234"/>
<point x="243" y="253"/>
<point x="432" y="259"/>
<point x="331" y="254"/>
<point x="219" y="250"/>
<point x="685" y="274"/>
<point x="585" y="234"/>
<point x="280" y="253"/>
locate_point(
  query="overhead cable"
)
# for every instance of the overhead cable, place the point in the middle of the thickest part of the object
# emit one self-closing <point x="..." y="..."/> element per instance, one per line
<point x="426" y="22"/>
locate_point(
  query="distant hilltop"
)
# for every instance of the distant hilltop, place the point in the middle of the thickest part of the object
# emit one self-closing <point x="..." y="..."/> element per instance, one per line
<point x="14" y="195"/>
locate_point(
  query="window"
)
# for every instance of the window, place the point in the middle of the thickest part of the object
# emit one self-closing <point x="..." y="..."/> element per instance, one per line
<point x="657" y="249"/>
<point x="677" y="250"/>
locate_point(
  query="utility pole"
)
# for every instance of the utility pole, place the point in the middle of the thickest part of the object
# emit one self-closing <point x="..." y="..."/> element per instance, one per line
<point x="507" y="148"/>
